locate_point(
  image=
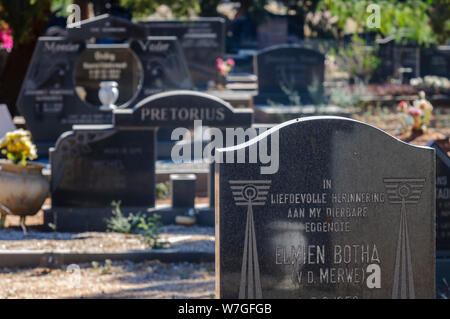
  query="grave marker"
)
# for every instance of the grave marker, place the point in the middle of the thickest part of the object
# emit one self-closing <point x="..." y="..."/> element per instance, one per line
<point x="336" y="221"/>
<point x="202" y="40"/>
<point x="287" y="70"/>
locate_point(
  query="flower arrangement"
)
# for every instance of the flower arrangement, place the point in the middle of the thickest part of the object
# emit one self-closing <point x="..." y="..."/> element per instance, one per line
<point x="17" y="147"/>
<point x="224" y="66"/>
<point x="6" y="39"/>
<point x="415" y="117"/>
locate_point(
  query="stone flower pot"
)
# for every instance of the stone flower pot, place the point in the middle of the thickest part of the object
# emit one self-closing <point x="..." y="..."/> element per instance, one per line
<point x="23" y="189"/>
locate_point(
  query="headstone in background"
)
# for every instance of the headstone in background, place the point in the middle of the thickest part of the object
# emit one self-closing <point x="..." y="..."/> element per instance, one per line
<point x="435" y="61"/>
<point x="386" y="68"/>
<point x="63" y="75"/>
<point x="335" y="221"/>
<point x="96" y="164"/>
<point x="442" y="194"/>
<point x="407" y="62"/>
<point x="108" y="62"/>
<point x="106" y="26"/>
<point x="273" y="31"/>
<point x="182" y="190"/>
<point x="287" y="70"/>
<point x="6" y="121"/>
<point x="202" y="41"/>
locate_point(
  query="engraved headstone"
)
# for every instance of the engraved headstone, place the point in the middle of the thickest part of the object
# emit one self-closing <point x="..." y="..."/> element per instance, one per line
<point x="336" y="220"/>
<point x="202" y="40"/>
<point x="63" y="78"/>
<point x="92" y="165"/>
<point x="96" y="164"/>
<point x="442" y="194"/>
<point x="286" y="70"/>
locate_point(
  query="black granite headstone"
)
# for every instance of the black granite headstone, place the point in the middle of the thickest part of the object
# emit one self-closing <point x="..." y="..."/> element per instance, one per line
<point x="95" y="165"/>
<point x="92" y="165"/>
<point x="106" y="26"/>
<point x="287" y="69"/>
<point x="108" y="63"/>
<point x="435" y="61"/>
<point x="202" y="40"/>
<point x="337" y="220"/>
<point x="442" y="196"/>
<point x="62" y="74"/>
<point x="181" y="109"/>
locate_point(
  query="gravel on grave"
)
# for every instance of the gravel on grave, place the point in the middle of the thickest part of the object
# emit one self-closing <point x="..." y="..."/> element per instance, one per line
<point x="123" y="279"/>
<point x="180" y="238"/>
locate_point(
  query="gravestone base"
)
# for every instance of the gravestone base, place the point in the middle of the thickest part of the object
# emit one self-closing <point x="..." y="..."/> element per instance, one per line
<point x="69" y="219"/>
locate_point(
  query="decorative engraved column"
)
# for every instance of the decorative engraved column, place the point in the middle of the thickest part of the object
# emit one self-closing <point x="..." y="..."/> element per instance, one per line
<point x="250" y="193"/>
<point x="403" y="191"/>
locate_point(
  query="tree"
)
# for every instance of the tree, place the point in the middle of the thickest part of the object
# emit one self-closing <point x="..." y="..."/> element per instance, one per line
<point x="406" y="20"/>
<point x="27" y="19"/>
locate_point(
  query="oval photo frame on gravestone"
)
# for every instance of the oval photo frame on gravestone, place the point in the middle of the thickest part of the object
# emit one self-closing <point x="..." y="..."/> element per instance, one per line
<point x="100" y="62"/>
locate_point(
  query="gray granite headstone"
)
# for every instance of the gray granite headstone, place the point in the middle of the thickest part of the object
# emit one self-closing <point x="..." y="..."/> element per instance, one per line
<point x="285" y="70"/>
<point x="349" y="213"/>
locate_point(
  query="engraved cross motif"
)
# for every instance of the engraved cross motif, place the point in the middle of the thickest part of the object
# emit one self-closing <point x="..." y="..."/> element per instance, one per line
<point x="250" y="193"/>
<point x="403" y="191"/>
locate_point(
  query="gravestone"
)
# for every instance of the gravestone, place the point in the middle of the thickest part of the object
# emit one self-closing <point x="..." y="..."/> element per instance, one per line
<point x="273" y="31"/>
<point x="287" y="70"/>
<point x="106" y="26"/>
<point x="435" y="61"/>
<point x="442" y="195"/>
<point x="442" y="217"/>
<point x="336" y="220"/>
<point x="62" y="82"/>
<point x="96" y="164"/>
<point x="202" y="40"/>
<point x="92" y="165"/>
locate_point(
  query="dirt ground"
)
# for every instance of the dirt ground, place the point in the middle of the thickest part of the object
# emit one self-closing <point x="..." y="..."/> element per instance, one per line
<point x="119" y="280"/>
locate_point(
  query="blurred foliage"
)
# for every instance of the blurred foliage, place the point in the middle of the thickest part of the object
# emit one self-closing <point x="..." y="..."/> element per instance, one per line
<point x="406" y="20"/>
<point x="24" y="15"/>
<point x="143" y="8"/>
<point x="357" y="59"/>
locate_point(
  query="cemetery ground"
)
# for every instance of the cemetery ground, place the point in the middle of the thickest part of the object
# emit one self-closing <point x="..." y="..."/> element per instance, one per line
<point x="150" y="278"/>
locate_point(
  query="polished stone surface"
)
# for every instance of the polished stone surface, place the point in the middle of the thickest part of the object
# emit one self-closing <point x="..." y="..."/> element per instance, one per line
<point x="95" y="165"/>
<point x="350" y="213"/>
<point x="286" y="70"/>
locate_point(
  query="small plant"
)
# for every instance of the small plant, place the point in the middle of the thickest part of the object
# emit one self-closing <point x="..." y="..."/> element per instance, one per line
<point x="415" y="117"/>
<point x="357" y="59"/>
<point x="162" y="190"/>
<point x="149" y="230"/>
<point x="105" y="269"/>
<point x="17" y="147"/>
<point x="122" y="224"/>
